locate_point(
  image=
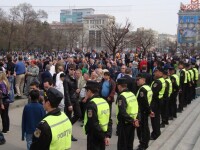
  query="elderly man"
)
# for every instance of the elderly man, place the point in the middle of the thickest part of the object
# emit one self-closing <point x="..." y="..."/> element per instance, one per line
<point x="31" y="75"/>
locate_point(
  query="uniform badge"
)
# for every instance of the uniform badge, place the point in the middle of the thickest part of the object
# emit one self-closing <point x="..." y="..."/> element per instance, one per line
<point x="155" y="85"/>
<point x="37" y="133"/>
<point x="120" y="102"/>
<point x="89" y="113"/>
<point x="141" y="94"/>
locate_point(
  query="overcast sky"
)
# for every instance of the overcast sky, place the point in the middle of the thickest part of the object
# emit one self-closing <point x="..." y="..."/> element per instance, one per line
<point x="160" y="15"/>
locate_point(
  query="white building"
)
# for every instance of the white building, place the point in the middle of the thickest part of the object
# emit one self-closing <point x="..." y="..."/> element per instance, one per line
<point x="92" y="23"/>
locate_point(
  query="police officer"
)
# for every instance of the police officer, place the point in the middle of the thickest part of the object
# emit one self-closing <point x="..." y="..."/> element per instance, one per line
<point x="183" y="85"/>
<point x="158" y="88"/>
<point x="54" y="131"/>
<point x="127" y="111"/>
<point x="190" y="83"/>
<point x="166" y="99"/>
<point x="175" y="89"/>
<point x="196" y="78"/>
<point x="144" y="97"/>
<point x="97" y="121"/>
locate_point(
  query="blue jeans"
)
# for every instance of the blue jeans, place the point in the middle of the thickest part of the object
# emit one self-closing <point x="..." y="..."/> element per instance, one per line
<point x="29" y="140"/>
<point x="11" y="81"/>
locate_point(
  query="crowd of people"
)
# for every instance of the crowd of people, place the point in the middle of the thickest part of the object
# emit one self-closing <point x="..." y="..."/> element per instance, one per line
<point x="64" y="88"/>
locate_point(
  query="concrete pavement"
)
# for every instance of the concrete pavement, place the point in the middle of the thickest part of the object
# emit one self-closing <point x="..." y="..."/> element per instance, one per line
<point x="183" y="133"/>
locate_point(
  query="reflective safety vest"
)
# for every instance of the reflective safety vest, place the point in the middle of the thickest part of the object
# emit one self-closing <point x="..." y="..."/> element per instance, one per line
<point x="162" y="91"/>
<point x="149" y="93"/>
<point x="177" y="79"/>
<point x="196" y="73"/>
<point x="132" y="105"/>
<point x="185" y="72"/>
<point x="170" y="86"/>
<point x="61" y="130"/>
<point x="188" y="76"/>
<point x="103" y="113"/>
<point x="191" y="74"/>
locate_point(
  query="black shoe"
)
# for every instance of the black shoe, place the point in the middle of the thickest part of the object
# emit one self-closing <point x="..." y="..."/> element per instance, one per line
<point x="18" y="97"/>
<point x="152" y="138"/>
<point x="167" y="123"/>
<point x="162" y="125"/>
<point x="179" y="110"/>
<point x="170" y="118"/>
<point x="141" y="148"/>
<point x="74" y="139"/>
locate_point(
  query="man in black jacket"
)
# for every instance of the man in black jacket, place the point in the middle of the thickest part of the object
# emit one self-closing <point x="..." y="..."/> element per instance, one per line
<point x="71" y="93"/>
<point x="131" y="83"/>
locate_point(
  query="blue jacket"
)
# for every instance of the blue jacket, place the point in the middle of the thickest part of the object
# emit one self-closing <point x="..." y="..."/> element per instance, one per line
<point x="33" y="113"/>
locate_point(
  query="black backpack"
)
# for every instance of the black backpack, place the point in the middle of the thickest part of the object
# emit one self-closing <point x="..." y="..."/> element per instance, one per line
<point x="2" y="139"/>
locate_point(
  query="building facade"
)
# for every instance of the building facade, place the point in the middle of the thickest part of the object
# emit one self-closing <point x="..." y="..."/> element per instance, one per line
<point x="75" y="15"/>
<point x="188" y="32"/>
<point x="92" y="24"/>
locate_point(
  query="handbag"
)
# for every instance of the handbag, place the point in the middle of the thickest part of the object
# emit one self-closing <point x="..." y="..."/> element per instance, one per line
<point x="2" y="139"/>
<point x="6" y="98"/>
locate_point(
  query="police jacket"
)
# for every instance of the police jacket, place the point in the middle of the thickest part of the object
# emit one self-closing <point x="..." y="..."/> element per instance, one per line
<point x="156" y="88"/>
<point x="144" y="106"/>
<point x="42" y="136"/>
<point x="175" y="85"/>
<point x="70" y="87"/>
<point x="92" y="126"/>
<point x="123" y="117"/>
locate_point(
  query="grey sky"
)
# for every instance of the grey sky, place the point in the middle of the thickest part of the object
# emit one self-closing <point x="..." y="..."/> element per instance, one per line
<point x="160" y="15"/>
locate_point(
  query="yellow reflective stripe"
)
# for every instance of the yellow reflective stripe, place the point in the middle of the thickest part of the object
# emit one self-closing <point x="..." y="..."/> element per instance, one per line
<point x="101" y="103"/>
<point x="54" y="125"/>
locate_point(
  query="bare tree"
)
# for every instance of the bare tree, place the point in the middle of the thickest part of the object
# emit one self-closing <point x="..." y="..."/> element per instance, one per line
<point x="144" y="39"/>
<point x="113" y="35"/>
<point x="28" y="18"/>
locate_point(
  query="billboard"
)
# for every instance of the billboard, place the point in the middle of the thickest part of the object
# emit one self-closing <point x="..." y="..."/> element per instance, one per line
<point x="188" y="29"/>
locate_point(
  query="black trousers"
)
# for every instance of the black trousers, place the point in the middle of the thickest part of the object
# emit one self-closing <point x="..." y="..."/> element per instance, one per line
<point x="173" y="105"/>
<point x="5" y="118"/>
<point x="76" y="110"/>
<point x="95" y="144"/>
<point x="155" y="121"/>
<point x="83" y="108"/>
<point x="143" y="131"/>
<point x="165" y="110"/>
<point x="182" y="97"/>
<point x="125" y="136"/>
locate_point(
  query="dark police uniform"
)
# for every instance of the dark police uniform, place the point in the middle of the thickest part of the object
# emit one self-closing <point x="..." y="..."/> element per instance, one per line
<point x="54" y="131"/>
<point x="158" y="88"/>
<point x="182" y="92"/>
<point x="165" y="102"/>
<point x="144" y="97"/>
<point x="97" y="121"/>
<point x="173" y="99"/>
<point x="196" y="78"/>
<point x="127" y="111"/>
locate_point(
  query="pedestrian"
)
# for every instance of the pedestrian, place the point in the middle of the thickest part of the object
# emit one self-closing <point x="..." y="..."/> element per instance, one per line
<point x="32" y="114"/>
<point x="97" y="122"/>
<point x="20" y="71"/>
<point x="127" y="111"/>
<point x="54" y="131"/>
<point x="10" y="75"/>
<point x="144" y="97"/>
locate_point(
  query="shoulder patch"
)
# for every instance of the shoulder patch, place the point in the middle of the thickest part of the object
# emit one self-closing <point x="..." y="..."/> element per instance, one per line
<point x="120" y="102"/>
<point x="141" y="94"/>
<point x="155" y="85"/>
<point x="90" y="113"/>
<point x="37" y="133"/>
